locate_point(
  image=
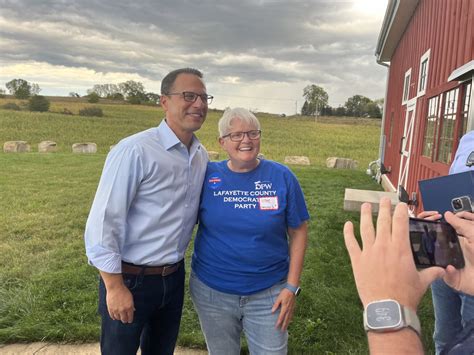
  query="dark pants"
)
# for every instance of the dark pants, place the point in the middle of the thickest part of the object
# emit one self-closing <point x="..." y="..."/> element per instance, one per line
<point x="158" y="302"/>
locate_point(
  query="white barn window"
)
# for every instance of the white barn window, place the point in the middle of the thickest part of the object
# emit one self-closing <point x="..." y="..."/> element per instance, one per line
<point x="423" y="73"/>
<point x="406" y="87"/>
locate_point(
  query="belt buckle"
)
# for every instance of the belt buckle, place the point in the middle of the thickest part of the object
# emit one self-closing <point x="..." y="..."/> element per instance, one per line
<point x="164" y="272"/>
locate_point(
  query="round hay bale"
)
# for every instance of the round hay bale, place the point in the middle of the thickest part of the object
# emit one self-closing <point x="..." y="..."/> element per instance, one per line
<point x="16" y="147"/>
<point x="85" y="148"/>
<point x="47" y="147"/>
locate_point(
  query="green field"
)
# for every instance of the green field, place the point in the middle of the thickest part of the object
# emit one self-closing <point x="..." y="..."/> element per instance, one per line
<point x="47" y="290"/>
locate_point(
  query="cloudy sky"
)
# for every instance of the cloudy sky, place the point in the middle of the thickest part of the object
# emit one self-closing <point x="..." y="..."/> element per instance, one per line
<point x="258" y="54"/>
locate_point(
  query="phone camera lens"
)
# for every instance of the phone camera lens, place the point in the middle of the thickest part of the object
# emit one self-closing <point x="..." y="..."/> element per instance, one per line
<point x="457" y="204"/>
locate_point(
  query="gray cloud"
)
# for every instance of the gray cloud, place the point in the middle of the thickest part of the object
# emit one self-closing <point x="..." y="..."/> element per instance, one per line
<point x="294" y="41"/>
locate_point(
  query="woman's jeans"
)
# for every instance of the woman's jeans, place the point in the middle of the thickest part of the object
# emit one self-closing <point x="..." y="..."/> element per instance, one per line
<point x="453" y="310"/>
<point x="158" y="302"/>
<point x="223" y="316"/>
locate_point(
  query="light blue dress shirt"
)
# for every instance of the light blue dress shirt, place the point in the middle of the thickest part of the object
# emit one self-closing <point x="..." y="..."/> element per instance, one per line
<point x="147" y="201"/>
<point x="465" y="148"/>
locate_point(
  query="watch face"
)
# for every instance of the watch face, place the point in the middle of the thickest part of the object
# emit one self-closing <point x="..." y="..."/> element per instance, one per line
<point x="383" y="315"/>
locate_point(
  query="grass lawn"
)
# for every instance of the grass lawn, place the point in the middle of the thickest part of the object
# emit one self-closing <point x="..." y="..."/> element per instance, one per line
<point x="47" y="290"/>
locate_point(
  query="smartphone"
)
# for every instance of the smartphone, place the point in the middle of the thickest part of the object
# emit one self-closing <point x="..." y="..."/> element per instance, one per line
<point x="435" y="244"/>
<point x="462" y="203"/>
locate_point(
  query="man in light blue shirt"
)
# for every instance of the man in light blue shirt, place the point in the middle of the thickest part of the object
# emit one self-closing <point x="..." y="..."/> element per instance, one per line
<point x="141" y="222"/>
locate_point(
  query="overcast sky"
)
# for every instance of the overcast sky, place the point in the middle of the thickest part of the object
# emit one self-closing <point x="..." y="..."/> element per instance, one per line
<point x="258" y="54"/>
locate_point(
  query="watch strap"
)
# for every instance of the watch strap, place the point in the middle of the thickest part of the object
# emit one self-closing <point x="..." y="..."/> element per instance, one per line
<point x="294" y="289"/>
<point x="411" y="319"/>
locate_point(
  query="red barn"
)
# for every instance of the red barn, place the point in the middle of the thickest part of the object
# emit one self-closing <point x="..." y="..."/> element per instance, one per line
<point x="428" y="48"/>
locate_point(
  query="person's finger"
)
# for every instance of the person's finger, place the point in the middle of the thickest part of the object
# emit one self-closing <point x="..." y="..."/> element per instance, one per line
<point x="281" y="317"/>
<point x="129" y="316"/>
<point x="352" y="245"/>
<point x="111" y="313"/>
<point x="427" y="276"/>
<point x="123" y="317"/>
<point x="429" y="215"/>
<point x="287" y="321"/>
<point x="278" y="302"/>
<point x="284" y="322"/>
<point x="276" y="305"/>
<point x="367" y="230"/>
<point x="465" y="215"/>
<point x="461" y="226"/>
<point x="452" y="277"/>
<point x="384" y="221"/>
<point x="400" y="229"/>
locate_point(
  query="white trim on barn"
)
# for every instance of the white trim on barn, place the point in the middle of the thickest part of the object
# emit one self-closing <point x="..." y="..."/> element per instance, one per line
<point x="407" y="140"/>
<point x="463" y="73"/>
<point x="406" y="87"/>
<point x="423" y="73"/>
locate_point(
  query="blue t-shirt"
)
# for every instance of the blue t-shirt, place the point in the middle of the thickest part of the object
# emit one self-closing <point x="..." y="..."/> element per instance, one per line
<point x="241" y="246"/>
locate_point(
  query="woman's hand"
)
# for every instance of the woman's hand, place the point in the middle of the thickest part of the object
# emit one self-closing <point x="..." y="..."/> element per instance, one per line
<point x="286" y="301"/>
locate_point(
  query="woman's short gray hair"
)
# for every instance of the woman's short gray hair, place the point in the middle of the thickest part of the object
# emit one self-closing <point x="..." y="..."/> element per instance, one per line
<point x="225" y="123"/>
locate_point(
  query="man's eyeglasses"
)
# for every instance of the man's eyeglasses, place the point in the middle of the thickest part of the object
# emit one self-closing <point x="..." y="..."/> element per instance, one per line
<point x="239" y="136"/>
<point x="189" y="96"/>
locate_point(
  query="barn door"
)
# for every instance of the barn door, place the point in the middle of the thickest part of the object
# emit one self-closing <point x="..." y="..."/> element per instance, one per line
<point x="406" y="143"/>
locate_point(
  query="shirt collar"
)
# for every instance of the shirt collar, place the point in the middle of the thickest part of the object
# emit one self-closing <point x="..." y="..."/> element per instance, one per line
<point x="169" y="139"/>
<point x="167" y="136"/>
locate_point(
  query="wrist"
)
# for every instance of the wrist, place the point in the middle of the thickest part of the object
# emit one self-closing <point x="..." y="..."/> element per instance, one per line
<point x="113" y="282"/>
<point x="405" y="341"/>
<point x="388" y="315"/>
<point x="293" y="289"/>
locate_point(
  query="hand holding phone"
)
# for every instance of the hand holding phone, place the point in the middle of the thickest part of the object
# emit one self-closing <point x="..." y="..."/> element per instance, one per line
<point x="435" y="244"/>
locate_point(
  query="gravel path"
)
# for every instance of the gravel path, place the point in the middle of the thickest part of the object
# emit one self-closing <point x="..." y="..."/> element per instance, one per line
<point x="65" y="349"/>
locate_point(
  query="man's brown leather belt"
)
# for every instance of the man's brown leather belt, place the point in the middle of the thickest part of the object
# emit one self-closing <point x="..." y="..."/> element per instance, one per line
<point x="164" y="270"/>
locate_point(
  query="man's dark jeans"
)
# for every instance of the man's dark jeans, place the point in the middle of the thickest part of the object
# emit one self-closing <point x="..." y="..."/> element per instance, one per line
<point x="158" y="302"/>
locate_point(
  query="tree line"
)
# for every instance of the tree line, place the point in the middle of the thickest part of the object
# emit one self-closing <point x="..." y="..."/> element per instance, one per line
<point x="316" y="98"/>
<point x="131" y="91"/>
<point x="316" y="103"/>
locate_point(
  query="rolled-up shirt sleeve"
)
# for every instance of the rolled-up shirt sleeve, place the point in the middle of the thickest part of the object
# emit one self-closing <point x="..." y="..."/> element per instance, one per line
<point x="107" y="223"/>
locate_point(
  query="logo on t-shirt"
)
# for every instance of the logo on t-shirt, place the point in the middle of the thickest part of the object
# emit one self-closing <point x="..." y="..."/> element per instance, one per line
<point x="214" y="181"/>
<point x="263" y="185"/>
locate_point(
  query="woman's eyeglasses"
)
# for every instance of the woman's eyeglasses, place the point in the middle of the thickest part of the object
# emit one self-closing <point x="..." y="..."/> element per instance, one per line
<point x="239" y="136"/>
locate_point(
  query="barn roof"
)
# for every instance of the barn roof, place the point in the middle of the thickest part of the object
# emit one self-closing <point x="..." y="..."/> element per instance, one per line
<point x="397" y="17"/>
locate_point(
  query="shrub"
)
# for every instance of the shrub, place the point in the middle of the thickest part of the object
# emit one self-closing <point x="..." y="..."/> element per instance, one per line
<point x="38" y="103"/>
<point x="134" y="100"/>
<point x="91" y="111"/>
<point x="93" y="98"/>
<point x="116" y="96"/>
<point x="11" y="106"/>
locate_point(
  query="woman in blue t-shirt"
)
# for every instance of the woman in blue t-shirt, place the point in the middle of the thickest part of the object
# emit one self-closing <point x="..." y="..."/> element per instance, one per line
<point x="245" y="272"/>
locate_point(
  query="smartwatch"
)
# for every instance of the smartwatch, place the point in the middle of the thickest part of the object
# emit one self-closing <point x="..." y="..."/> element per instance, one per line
<point x="389" y="316"/>
<point x="296" y="290"/>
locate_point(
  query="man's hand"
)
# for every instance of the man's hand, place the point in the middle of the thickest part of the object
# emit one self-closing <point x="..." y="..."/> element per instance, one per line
<point x="384" y="268"/>
<point x="286" y="303"/>
<point x="119" y="298"/>
<point x="461" y="280"/>
<point x="120" y="304"/>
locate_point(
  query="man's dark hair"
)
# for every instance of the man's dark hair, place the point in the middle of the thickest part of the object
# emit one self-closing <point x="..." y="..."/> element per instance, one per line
<point x="168" y="81"/>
